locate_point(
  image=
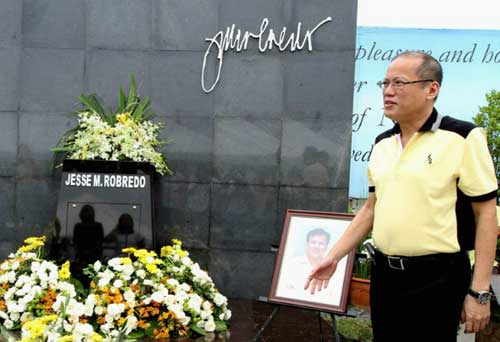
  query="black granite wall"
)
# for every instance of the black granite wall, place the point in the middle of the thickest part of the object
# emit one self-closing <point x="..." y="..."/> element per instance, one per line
<point x="274" y="134"/>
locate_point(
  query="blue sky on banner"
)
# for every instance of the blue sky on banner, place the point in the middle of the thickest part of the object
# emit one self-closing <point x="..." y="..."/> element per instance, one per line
<point x="467" y="42"/>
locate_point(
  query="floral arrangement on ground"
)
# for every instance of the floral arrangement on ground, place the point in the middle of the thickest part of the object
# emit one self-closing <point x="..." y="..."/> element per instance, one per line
<point x="126" y="133"/>
<point x="139" y="294"/>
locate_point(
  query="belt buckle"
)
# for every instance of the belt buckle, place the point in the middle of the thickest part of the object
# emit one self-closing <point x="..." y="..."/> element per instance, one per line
<point x="398" y="265"/>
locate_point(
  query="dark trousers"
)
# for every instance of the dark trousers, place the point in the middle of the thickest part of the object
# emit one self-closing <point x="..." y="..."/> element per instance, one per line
<point x="421" y="303"/>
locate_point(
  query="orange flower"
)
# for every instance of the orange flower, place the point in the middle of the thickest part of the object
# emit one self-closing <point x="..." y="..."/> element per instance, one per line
<point x="161" y="333"/>
<point x="142" y="324"/>
<point x="101" y="320"/>
<point x="48" y="300"/>
<point x="155" y="311"/>
<point x="184" y="332"/>
<point x="143" y="312"/>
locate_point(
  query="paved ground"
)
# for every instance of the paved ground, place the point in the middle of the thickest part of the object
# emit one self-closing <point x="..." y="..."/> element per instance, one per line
<point x="466" y="337"/>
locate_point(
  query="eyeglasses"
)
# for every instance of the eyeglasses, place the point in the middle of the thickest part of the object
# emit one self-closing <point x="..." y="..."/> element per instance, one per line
<point x="398" y="84"/>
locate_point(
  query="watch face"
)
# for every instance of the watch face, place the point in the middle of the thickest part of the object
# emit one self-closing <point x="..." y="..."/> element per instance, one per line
<point x="484" y="297"/>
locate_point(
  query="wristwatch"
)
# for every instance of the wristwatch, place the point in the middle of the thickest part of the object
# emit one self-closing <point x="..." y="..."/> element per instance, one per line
<point x="483" y="297"/>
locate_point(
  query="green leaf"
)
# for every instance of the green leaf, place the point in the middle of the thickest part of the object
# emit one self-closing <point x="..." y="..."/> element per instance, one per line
<point x="220" y="326"/>
<point x="150" y="330"/>
<point x="91" y="102"/>
<point x="131" y="92"/>
<point x="198" y="330"/>
<point x="138" y="111"/>
<point x="136" y="334"/>
<point x="122" y="101"/>
<point x="79" y="288"/>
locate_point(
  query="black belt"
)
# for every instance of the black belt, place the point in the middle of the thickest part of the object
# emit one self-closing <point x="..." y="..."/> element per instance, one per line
<point x="402" y="263"/>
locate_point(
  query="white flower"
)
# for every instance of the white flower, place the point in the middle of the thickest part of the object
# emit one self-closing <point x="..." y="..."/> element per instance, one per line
<point x="105" y="278"/>
<point x="131" y="324"/>
<point x="115" y="263"/>
<point x="82" y="330"/>
<point x="9" y="277"/>
<point x="207" y="306"/>
<point x="60" y="300"/>
<point x="14" y="307"/>
<point x="228" y="314"/>
<point x="15" y="265"/>
<point x="99" y="310"/>
<point x="97" y="265"/>
<point x="8" y="324"/>
<point x="173" y="282"/>
<point x="169" y="300"/>
<point x="219" y="299"/>
<point x="205" y="314"/>
<point x="26" y="299"/>
<point x="141" y="274"/>
<point x="75" y="309"/>
<point x="195" y="302"/>
<point x="68" y="288"/>
<point x="118" y="283"/>
<point x="149" y="282"/>
<point x="15" y="316"/>
<point x="160" y="295"/>
<point x="129" y="297"/>
<point x="88" y="309"/>
<point x="128" y="270"/>
<point x="210" y="325"/>
<point x="106" y="328"/>
<point x="35" y="266"/>
<point x="115" y="309"/>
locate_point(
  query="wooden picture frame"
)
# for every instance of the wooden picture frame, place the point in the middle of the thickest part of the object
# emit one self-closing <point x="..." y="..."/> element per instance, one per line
<point x="309" y="235"/>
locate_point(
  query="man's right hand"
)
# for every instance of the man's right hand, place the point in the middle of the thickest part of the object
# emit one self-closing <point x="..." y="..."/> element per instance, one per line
<point x="320" y="275"/>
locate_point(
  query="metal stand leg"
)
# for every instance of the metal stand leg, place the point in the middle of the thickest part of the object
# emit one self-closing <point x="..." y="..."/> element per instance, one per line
<point x="333" y="323"/>
<point x="334" y="328"/>
<point x="266" y="323"/>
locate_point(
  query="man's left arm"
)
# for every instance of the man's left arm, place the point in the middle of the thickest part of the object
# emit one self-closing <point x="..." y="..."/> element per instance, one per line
<point x="476" y="315"/>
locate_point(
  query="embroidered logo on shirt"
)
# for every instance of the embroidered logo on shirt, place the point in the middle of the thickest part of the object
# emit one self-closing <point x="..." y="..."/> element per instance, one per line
<point x="429" y="159"/>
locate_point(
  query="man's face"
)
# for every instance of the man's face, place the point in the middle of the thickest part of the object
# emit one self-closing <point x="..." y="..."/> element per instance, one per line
<point x="316" y="246"/>
<point x="410" y="100"/>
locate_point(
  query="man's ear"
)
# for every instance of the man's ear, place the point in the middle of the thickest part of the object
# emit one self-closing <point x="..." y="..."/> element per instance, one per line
<point x="433" y="91"/>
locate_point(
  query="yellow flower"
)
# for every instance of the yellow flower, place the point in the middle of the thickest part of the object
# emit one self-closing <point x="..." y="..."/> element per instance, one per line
<point x="35" y="240"/>
<point x="47" y="319"/>
<point x="64" y="272"/>
<point x="123" y="118"/>
<point x="177" y="242"/>
<point x="67" y="338"/>
<point x="36" y="328"/>
<point x="28" y="248"/>
<point x="152" y="268"/>
<point x="126" y="261"/>
<point x="182" y="253"/>
<point x="129" y="250"/>
<point x="96" y="337"/>
<point x="167" y="250"/>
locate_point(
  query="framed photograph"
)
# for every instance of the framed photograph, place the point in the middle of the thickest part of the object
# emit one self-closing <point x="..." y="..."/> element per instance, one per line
<point x="306" y="238"/>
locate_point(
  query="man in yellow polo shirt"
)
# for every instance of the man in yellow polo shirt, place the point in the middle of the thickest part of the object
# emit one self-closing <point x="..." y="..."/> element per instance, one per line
<point x="428" y="177"/>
